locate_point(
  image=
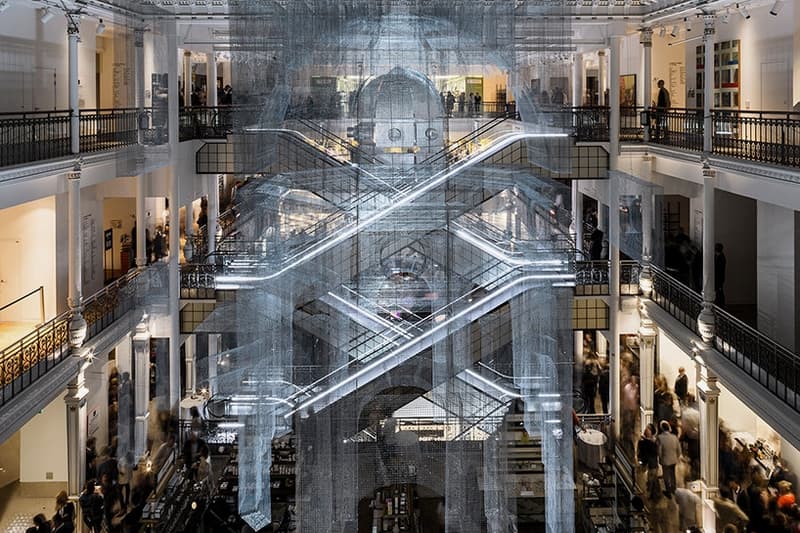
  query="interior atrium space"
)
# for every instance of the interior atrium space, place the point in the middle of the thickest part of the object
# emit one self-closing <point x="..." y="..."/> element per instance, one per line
<point x="399" y="266"/>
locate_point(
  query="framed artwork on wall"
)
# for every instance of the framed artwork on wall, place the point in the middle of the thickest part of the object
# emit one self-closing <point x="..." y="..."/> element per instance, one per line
<point x="627" y="90"/>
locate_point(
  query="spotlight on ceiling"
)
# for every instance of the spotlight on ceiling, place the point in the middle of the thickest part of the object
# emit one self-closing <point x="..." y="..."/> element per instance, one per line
<point x="743" y="11"/>
<point x="101" y="28"/>
<point x="46" y="15"/>
<point x="4" y="4"/>
<point x="688" y="24"/>
<point x="776" y="8"/>
<point x="674" y="31"/>
<point x="662" y="32"/>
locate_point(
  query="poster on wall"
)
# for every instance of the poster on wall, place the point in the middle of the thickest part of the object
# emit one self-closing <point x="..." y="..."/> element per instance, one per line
<point x="627" y="90"/>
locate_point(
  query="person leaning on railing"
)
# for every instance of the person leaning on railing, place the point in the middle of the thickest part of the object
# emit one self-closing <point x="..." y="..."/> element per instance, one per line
<point x="663" y="104"/>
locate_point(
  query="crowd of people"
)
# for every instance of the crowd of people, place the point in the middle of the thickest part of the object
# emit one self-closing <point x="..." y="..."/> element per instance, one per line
<point x="117" y="488"/>
<point x="468" y="105"/>
<point x="753" y="496"/>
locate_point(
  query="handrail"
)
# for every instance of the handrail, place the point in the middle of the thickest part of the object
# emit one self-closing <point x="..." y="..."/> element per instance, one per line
<point x="28" y="359"/>
<point x="773" y="365"/>
<point x="40" y="290"/>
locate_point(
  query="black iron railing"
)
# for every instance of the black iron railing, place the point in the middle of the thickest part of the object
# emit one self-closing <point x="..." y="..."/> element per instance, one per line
<point x="774" y="366"/>
<point x="105" y="129"/>
<point x="676" y="298"/>
<point x="679" y="128"/>
<point x="33" y="136"/>
<point x="763" y="136"/>
<point x="25" y="361"/>
<point x="206" y="122"/>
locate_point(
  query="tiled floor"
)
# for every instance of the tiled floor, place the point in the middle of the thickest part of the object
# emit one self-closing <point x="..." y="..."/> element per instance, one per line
<point x="17" y="512"/>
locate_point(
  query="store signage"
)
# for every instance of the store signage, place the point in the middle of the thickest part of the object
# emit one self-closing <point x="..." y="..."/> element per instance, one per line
<point x="108" y="239"/>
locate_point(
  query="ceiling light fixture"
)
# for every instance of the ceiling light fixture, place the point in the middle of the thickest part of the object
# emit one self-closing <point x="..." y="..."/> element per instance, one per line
<point x="688" y="24"/>
<point x="4" y="4"/>
<point x="46" y="15"/>
<point x="776" y="8"/>
<point x="101" y="28"/>
<point x="743" y="11"/>
<point x="674" y="31"/>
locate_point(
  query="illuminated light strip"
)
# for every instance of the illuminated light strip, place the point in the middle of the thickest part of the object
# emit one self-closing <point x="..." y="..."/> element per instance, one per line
<point x="377" y="364"/>
<point x="493" y="385"/>
<point x="376" y="318"/>
<point x="499" y="254"/>
<point x="346" y="232"/>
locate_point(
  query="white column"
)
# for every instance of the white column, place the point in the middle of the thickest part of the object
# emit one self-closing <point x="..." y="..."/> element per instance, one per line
<point x="138" y="43"/>
<point x="73" y="37"/>
<point x="189" y="353"/>
<point x="174" y="230"/>
<point x="141" y="235"/>
<point x="648" y="334"/>
<point x="577" y="218"/>
<point x="614" y="110"/>
<point x="603" y="81"/>
<point x="188" y="249"/>
<point x="708" y="403"/>
<point x="613" y="298"/>
<point x="141" y="384"/>
<point x="646" y="40"/>
<point x="187" y="78"/>
<point x="705" y="321"/>
<point x="578" y="80"/>
<point x="211" y="75"/>
<point x="602" y="344"/>
<point x="212" y="226"/>
<point x="76" y="392"/>
<point x="75" y="401"/>
<point x="213" y="350"/>
<point x="708" y="74"/>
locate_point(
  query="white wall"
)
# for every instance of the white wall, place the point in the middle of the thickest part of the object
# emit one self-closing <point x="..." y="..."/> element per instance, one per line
<point x="775" y="266"/>
<point x="43" y="444"/>
<point x="735" y="228"/>
<point x="764" y="39"/>
<point x="668" y="63"/>
<point x="33" y="224"/>
<point x="33" y="54"/>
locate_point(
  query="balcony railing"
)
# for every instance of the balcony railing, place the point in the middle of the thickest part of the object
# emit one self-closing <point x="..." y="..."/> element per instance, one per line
<point x="28" y="359"/>
<point x="774" y="366"/>
<point x="760" y="136"/>
<point x="763" y="136"/>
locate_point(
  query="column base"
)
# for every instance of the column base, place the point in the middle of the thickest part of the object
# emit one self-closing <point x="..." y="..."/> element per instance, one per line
<point x="140" y="435"/>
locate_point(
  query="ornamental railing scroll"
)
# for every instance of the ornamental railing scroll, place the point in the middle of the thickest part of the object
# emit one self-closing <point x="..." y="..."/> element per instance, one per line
<point x="25" y="361"/>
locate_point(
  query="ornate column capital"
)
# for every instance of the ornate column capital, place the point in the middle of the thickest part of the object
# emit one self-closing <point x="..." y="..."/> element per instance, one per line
<point x="708" y="172"/>
<point x="138" y="37"/>
<point x="601" y="53"/>
<point x="709" y="30"/>
<point x="646" y="37"/>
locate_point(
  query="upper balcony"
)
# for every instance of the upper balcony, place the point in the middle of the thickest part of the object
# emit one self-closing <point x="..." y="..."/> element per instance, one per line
<point x="767" y="137"/>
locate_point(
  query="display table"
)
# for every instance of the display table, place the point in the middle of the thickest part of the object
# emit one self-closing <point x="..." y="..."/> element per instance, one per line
<point x="591" y="447"/>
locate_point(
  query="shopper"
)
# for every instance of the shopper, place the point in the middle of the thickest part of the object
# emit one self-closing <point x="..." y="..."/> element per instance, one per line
<point x="591" y="373"/>
<point x="604" y="383"/>
<point x="462" y="100"/>
<point x="91" y="458"/>
<point x="688" y="505"/>
<point x="681" y="385"/>
<point x="720" y="265"/>
<point x="662" y="105"/>
<point x="669" y="453"/>
<point x="91" y="502"/>
<point x="647" y="455"/>
<point x="41" y="524"/>
<point x="62" y="526"/>
<point x="596" y="246"/>
<point x="65" y="509"/>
